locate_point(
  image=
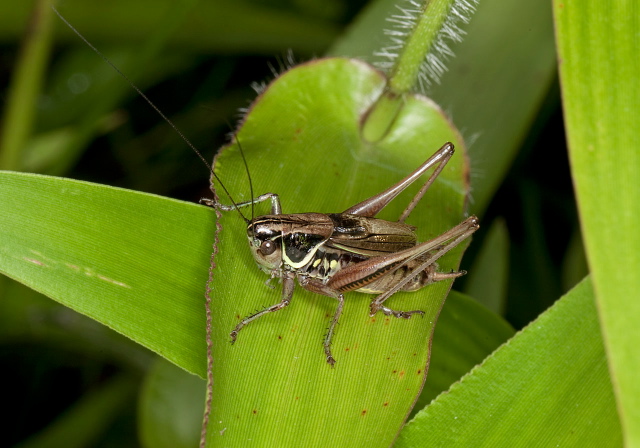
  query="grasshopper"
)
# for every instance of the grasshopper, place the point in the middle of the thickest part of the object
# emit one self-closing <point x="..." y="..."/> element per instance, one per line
<point x="331" y="254"/>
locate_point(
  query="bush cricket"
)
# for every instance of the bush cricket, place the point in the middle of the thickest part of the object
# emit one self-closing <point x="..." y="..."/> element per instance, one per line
<point x="331" y="254"/>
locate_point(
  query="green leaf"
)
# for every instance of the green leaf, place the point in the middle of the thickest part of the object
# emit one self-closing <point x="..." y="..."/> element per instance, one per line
<point x="466" y="334"/>
<point x="171" y="407"/>
<point x="598" y="47"/>
<point x="548" y="386"/>
<point x="487" y="279"/>
<point x="124" y="258"/>
<point x="138" y="263"/>
<point x="314" y="151"/>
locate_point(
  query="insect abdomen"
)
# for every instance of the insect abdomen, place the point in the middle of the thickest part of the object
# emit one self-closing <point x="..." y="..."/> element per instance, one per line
<point x="327" y="262"/>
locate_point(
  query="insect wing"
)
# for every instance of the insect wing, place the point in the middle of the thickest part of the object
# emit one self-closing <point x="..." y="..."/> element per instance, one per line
<point x="370" y="236"/>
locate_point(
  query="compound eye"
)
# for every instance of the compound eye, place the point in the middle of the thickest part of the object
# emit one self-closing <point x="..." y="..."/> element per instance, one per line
<point x="267" y="247"/>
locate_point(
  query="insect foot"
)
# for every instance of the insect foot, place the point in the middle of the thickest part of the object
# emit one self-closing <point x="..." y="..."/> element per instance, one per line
<point x="285" y="301"/>
<point x="390" y="312"/>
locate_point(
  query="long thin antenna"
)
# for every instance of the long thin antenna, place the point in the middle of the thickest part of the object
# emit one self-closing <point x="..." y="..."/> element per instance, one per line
<point x="162" y="115"/>
<point x="246" y="168"/>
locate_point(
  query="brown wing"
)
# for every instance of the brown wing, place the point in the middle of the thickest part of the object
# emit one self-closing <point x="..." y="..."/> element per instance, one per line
<point x="369" y="236"/>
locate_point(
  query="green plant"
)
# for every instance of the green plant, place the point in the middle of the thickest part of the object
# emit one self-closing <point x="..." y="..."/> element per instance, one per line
<point x="138" y="262"/>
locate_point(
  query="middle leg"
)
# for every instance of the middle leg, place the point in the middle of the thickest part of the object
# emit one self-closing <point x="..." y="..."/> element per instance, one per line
<point x="315" y="285"/>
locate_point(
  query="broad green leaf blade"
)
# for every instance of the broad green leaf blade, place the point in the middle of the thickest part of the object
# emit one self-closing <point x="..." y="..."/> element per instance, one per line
<point x="466" y="333"/>
<point x="307" y="147"/>
<point x="548" y="386"/>
<point x="598" y="48"/>
<point x="135" y="262"/>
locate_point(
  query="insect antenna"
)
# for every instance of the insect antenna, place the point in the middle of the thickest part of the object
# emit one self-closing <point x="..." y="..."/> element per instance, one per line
<point x="246" y="168"/>
<point x="162" y="115"/>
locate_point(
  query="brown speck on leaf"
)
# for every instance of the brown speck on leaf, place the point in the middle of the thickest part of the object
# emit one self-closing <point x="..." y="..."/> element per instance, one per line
<point x="401" y="374"/>
<point x="346" y="349"/>
<point x="386" y="404"/>
<point x="364" y="411"/>
<point x="419" y="371"/>
<point x="279" y="336"/>
<point x="395" y="371"/>
<point x="255" y="411"/>
<point x="297" y="398"/>
<point x="466" y="175"/>
<point x="238" y="317"/>
<point x="415" y="354"/>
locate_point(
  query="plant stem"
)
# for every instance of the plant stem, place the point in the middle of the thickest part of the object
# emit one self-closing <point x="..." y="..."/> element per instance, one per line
<point x="25" y="86"/>
<point x="419" y="42"/>
<point x="417" y="51"/>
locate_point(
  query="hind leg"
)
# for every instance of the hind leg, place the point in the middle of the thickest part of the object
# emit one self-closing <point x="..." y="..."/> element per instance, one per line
<point x="433" y="277"/>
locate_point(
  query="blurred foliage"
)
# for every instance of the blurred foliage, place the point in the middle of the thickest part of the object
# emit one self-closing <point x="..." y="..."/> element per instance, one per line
<point x="89" y="125"/>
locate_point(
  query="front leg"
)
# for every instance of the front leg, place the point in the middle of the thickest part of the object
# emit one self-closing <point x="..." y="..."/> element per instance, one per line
<point x="316" y="286"/>
<point x="288" y="286"/>
<point x="276" y="208"/>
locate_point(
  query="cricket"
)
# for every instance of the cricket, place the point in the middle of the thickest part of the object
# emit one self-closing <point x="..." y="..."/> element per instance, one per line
<point x="331" y="254"/>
